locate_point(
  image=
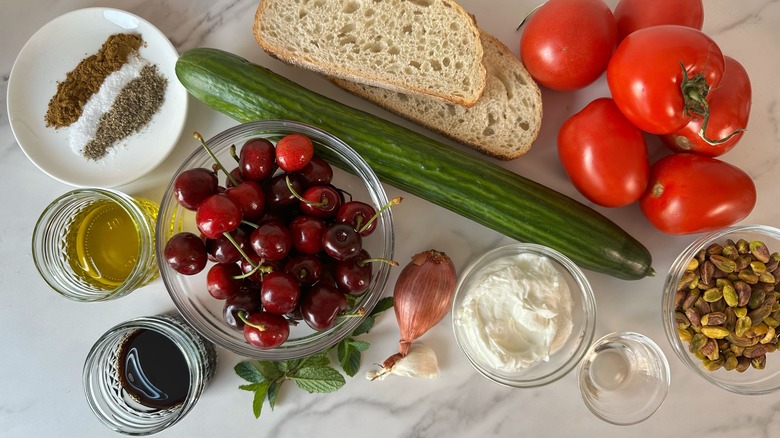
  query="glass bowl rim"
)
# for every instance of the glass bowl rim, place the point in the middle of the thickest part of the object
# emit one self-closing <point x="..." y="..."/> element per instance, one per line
<point x="586" y="296"/>
<point x="667" y="304"/>
<point x="322" y="340"/>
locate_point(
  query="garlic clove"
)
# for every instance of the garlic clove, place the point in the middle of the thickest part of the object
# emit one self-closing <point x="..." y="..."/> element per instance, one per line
<point x="420" y="362"/>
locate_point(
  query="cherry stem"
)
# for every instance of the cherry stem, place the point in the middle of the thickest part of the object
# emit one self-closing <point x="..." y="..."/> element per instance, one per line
<point x="361" y="311"/>
<point x="214" y="157"/>
<point x="259" y="267"/>
<point x="243" y="317"/>
<point x="297" y="196"/>
<point x="364" y="262"/>
<point x="395" y="201"/>
<point x="233" y="153"/>
<point x="694" y="91"/>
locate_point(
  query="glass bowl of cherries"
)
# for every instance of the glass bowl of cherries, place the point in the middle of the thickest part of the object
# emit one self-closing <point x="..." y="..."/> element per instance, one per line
<point x="275" y="239"/>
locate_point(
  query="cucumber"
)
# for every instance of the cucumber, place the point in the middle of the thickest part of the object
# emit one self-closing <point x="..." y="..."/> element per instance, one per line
<point x="468" y="185"/>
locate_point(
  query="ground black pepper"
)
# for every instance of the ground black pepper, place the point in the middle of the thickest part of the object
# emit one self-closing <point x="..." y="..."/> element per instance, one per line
<point x="133" y="109"/>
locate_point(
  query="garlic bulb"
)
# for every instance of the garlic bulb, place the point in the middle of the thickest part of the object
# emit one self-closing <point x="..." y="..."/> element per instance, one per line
<point x="420" y="361"/>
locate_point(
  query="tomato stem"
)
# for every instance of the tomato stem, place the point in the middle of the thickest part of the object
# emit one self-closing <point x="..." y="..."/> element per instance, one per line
<point x="695" y="92"/>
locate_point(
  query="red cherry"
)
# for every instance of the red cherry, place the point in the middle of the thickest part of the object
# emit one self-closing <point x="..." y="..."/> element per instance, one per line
<point x="221" y="281"/>
<point x="321" y="305"/>
<point x="279" y="293"/>
<point x="353" y="276"/>
<point x="221" y="250"/>
<point x="193" y="186"/>
<point x="246" y="300"/>
<point x="306" y="233"/>
<point x="266" y="330"/>
<point x="278" y="196"/>
<point x="271" y="241"/>
<point x="357" y="214"/>
<point x="317" y="173"/>
<point x="256" y="159"/>
<point x="249" y="197"/>
<point x="293" y="152"/>
<point x="320" y="201"/>
<point x="307" y="269"/>
<point x="216" y="215"/>
<point x="186" y="253"/>
<point x="341" y="241"/>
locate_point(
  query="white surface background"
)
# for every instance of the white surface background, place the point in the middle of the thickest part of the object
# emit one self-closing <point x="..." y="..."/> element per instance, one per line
<point x="45" y="338"/>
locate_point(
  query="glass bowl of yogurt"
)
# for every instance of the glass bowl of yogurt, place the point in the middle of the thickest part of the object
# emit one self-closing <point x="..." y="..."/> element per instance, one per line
<point x="523" y="315"/>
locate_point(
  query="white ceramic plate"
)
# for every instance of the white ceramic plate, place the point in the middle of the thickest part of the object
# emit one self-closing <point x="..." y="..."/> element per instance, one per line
<point x="54" y="51"/>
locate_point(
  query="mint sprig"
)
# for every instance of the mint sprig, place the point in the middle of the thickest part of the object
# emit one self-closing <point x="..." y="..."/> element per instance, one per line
<point x="314" y="373"/>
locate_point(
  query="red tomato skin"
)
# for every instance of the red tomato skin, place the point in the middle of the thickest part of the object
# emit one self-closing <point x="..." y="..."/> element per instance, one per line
<point x="632" y="15"/>
<point x="691" y="193"/>
<point x="604" y="155"/>
<point x="729" y="111"/>
<point x="644" y="74"/>
<point x="566" y="44"/>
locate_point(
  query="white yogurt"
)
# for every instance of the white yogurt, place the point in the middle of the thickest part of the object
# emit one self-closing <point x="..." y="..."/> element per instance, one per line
<point x="517" y="312"/>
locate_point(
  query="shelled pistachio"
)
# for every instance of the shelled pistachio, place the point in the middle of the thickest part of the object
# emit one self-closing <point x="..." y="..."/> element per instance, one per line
<point x="727" y="306"/>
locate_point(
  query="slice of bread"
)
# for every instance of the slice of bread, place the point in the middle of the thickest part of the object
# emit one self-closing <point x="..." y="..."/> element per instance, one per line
<point x="430" y="47"/>
<point x="503" y="124"/>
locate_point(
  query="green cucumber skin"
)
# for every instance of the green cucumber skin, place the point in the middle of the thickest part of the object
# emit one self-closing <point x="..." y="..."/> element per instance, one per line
<point x="470" y="186"/>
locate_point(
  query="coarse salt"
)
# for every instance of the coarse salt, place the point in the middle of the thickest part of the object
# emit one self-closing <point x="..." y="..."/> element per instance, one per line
<point x="84" y="129"/>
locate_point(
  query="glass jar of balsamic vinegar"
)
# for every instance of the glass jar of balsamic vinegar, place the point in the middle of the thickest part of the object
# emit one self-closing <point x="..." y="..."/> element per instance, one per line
<point x="146" y="374"/>
<point x="94" y="244"/>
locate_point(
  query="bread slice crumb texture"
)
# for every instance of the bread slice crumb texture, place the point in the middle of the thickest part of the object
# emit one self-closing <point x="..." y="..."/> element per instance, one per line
<point x="430" y="47"/>
<point x="503" y="124"/>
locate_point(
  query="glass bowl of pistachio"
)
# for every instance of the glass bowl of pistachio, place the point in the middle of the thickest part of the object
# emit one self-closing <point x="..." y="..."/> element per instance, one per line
<point x="721" y="308"/>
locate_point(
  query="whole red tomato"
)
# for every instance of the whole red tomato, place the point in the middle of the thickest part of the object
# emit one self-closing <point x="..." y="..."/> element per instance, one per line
<point x="566" y="44"/>
<point x="691" y="193"/>
<point x="660" y="76"/>
<point x="632" y="15"/>
<point x="604" y="155"/>
<point x="729" y="113"/>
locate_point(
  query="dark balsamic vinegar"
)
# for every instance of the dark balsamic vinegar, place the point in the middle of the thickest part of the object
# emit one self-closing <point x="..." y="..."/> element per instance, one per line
<point x="153" y="370"/>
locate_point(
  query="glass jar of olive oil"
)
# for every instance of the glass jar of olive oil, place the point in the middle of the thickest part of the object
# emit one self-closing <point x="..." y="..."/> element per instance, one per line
<point x="95" y="244"/>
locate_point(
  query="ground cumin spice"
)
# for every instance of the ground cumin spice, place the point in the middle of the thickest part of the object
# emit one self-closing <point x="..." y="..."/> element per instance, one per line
<point x="65" y="107"/>
<point x="134" y="107"/>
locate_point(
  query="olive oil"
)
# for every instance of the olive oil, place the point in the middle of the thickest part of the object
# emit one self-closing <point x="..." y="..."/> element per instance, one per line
<point x="104" y="243"/>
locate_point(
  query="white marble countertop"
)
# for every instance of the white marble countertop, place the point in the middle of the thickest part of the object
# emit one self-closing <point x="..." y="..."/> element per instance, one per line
<point x="45" y="338"/>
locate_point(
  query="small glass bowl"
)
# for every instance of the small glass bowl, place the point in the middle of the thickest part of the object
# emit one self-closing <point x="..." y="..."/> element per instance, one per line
<point x="752" y="381"/>
<point x="114" y="406"/>
<point x="583" y="316"/>
<point x="624" y="378"/>
<point x="351" y="174"/>
<point x="84" y="271"/>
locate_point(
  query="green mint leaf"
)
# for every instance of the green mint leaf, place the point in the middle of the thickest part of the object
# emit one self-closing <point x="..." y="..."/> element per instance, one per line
<point x="318" y="379"/>
<point x="249" y="372"/>
<point x="254" y="386"/>
<point x="288" y="366"/>
<point x="349" y="355"/>
<point x="260" y="393"/>
<point x="365" y="326"/>
<point x="273" y="391"/>
<point x="382" y="305"/>
<point x="315" y="360"/>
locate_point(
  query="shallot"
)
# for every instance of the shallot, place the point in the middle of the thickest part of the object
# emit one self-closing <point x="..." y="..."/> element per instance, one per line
<point x="422" y="297"/>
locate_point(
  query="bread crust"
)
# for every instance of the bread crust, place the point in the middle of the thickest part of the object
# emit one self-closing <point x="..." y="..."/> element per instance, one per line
<point x="378" y="77"/>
